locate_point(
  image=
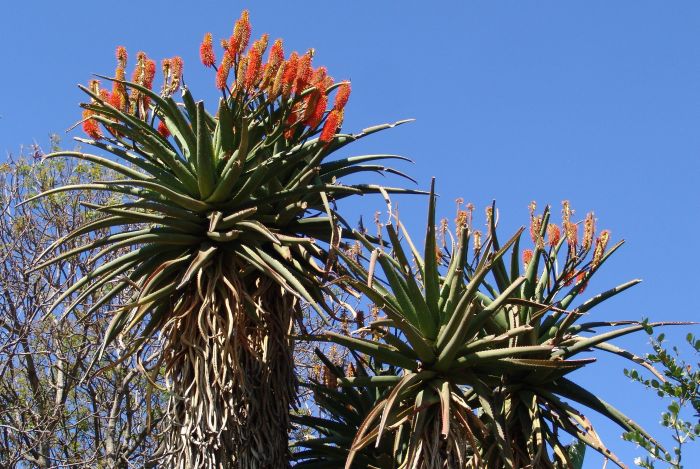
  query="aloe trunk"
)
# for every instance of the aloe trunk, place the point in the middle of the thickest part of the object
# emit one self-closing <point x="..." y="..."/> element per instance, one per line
<point x="231" y="374"/>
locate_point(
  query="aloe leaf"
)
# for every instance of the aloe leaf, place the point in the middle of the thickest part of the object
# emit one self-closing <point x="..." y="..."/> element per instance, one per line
<point x="107" y="163"/>
<point x="145" y="134"/>
<point x="90" y="245"/>
<point x="341" y="140"/>
<point x="573" y="391"/>
<point x="203" y="256"/>
<point x="582" y="344"/>
<point x="233" y="168"/>
<point x="431" y="277"/>
<point x="127" y="215"/>
<point x="269" y="265"/>
<point x="99" y="283"/>
<point x="453" y="339"/>
<point x="406" y="381"/>
<point x="631" y="357"/>
<point x="569" y="319"/>
<point x="596" y="300"/>
<point x="387" y="303"/>
<point x="206" y="177"/>
<point x="358" y="443"/>
<point x="575" y="290"/>
<point x="167" y="107"/>
<point x="223" y="134"/>
<point x="330" y="166"/>
<point x="492" y="308"/>
<point x="499" y="267"/>
<point x="153" y="236"/>
<point x="181" y="199"/>
<point x="257" y="227"/>
<point x="383" y="352"/>
<point x="453" y="283"/>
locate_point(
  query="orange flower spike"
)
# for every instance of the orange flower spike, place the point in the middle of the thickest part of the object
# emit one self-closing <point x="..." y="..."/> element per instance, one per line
<point x="290" y="74"/>
<point x="571" y="232"/>
<point x="319" y="110"/>
<point x="223" y="71"/>
<point x="91" y="126"/>
<point x="114" y="99"/>
<point x="470" y="213"/>
<point x="535" y="228"/>
<point x="553" y="234"/>
<point x="527" y="257"/>
<point x="241" y="72"/>
<point x="177" y="65"/>
<point x="139" y="74"/>
<point x="163" y="129"/>
<point x="261" y="44"/>
<point x="166" y="67"/>
<point x="274" y="60"/>
<point x="120" y="74"/>
<point x="241" y="34"/>
<point x="600" y="244"/>
<point x="276" y="85"/>
<point x="121" y="56"/>
<point x="119" y="96"/>
<point x="245" y="31"/>
<point x="276" y="55"/>
<point x="304" y="72"/>
<point x="588" y="231"/>
<point x="105" y="95"/>
<point x="206" y="51"/>
<point x="311" y="101"/>
<point x="333" y="123"/>
<point x="461" y="219"/>
<point x="232" y="44"/>
<point x="327" y="83"/>
<point x="95" y="86"/>
<point x="535" y="222"/>
<point x="570" y="229"/>
<point x="252" y="69"/>
<point x="149" y="73"/>
<point x="566" y="212"/>
<point x="342" y="96"/>
<point x="318" y="77"/>
<point x="477" y="241"/>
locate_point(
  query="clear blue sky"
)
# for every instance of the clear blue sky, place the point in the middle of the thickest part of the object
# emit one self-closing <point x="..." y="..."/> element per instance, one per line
<point x="597" y="102"/>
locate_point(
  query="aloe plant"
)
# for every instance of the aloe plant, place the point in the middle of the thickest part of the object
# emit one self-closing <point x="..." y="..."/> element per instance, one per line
<point x="217" y="226"/>
<point x="483" y="350"/>
<point x="342" y="411"/>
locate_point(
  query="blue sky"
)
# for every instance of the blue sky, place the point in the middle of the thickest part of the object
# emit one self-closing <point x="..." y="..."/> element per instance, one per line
<point x="597" y="102"/>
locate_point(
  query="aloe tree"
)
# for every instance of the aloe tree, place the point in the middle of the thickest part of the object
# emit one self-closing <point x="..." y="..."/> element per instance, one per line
<point x="483" y="350"/>
<point x="225" y="229"/>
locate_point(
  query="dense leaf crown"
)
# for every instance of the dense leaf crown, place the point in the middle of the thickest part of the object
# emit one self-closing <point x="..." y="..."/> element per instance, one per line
<point x="253" y="183"/>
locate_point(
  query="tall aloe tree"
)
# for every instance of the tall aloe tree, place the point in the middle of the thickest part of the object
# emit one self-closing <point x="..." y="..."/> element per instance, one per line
<point x="225" y="227"/>
<point x="483" y="350"/>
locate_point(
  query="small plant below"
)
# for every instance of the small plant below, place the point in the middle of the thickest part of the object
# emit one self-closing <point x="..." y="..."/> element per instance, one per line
<point x="681" y="385"/>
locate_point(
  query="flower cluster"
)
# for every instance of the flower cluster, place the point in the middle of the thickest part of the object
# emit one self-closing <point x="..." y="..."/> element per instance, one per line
<point x="248" y="74"/>
<point x="243" y="75"/>
<point x="574" y="266"/>
<point x="128" y="99"/>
